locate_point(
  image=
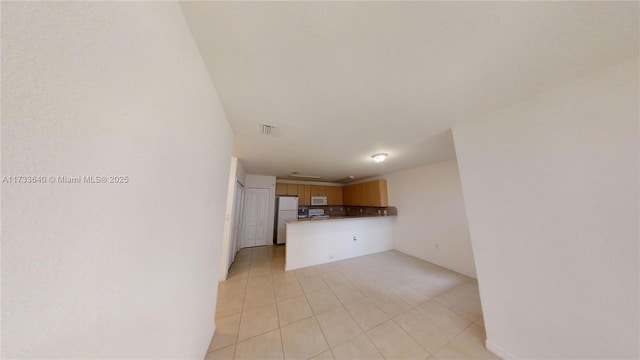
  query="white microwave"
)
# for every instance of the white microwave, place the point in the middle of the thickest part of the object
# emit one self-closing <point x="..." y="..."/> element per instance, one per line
<point x="318" y="200"/>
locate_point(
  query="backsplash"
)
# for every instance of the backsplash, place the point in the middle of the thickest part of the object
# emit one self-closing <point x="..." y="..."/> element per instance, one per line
<point x="331" y="210"/>
<point x="351" y="210"/>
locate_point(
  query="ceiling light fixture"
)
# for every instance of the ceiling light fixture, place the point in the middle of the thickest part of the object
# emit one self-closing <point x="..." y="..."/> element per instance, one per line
<point x="295" y="174"/>
<point x="345" y="179"/>
<point x="379" y="157"/>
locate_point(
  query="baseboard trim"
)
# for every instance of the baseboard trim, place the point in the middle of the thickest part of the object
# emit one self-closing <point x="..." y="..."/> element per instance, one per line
<point x="210" y="340"/>
<point x="497" y="350"/>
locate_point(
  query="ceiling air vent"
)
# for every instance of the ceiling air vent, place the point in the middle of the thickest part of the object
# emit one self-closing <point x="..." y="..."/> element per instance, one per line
<point x="266" y="129"/>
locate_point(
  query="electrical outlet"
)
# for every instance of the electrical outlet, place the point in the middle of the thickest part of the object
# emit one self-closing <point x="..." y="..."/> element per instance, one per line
<point x="354" y="238"/>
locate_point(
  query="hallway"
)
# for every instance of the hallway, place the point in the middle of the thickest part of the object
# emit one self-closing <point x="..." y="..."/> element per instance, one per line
<point x="385" y="305"/>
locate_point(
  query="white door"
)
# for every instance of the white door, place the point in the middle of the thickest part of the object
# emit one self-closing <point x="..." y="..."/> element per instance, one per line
<point x="255" y="219"/>
<point x="236" y="222"/>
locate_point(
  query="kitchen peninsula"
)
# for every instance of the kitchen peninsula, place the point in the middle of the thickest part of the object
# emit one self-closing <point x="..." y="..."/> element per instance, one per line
<point x="315" y="242"/>
<point x="348" y="221"/>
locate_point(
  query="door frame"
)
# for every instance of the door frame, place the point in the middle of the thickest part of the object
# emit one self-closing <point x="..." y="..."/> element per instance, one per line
<point x="236" y="221"/>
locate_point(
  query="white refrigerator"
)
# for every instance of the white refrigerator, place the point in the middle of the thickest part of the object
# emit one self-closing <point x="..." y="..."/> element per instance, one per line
<point x="287" y="211"/>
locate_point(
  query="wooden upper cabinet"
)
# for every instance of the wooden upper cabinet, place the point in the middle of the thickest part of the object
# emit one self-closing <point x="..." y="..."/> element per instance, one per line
<point x="372" y="193"/>
<point x="329" y="194"/>
<point x="378" y="193"/>
<point x="334" y="195"/>
<point x="281" y="189"/>
<point x="292" y="189"/>
<point x="318" y="190"/>
<point x="361" y="194"/>
<point x="338" y="196"/>
<point x="347" y="196"/>
<point x="304" y="194"/>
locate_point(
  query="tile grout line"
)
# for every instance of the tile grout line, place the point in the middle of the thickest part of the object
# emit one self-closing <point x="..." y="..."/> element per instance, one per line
<point x="452" y="339"/>
<point x="246" y="285"/>
<point x="454" y="310"/>
<point x="273" y="285"/>
<point x="315" y="315"/>
<point x="365" y="332"/>
<point x="356" y="269"/>
<point x="235" y="343"/>
<point x="324" y="336"/>
<point x="392" y="320"/>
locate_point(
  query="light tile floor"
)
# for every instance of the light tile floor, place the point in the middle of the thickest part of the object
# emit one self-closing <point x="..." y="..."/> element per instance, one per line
<point x="385" y="305"/>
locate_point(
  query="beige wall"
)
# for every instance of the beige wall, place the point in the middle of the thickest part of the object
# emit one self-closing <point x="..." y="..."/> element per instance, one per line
<point x="551" y="192"/>
<point x="109" y="270"/>
<point x="432" y="224"/>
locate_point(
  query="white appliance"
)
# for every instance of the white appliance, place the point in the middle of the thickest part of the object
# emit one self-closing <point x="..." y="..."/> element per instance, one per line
<point x="317" y="214"/>
<point x="318" y="200"/>
<point x="287" y="211"/>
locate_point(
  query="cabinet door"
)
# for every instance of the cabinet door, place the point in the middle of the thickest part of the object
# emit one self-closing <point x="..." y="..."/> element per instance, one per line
<point x="372" y="193"/>
<point x="317" y="190"/>
<point x="353" y="195"/>
<point x="383" y="195"/>
<point x="329" y="194"/>
<point x="336" y="195"/>
<point x="347" y="195"/>
<point x="307" y="193"/>
<point x="304" y="197"/>
<point x="331" y="198"/>
<point x="361" y="195"/>
<point x="281" y="189"/>
<point x="292" y="189"/>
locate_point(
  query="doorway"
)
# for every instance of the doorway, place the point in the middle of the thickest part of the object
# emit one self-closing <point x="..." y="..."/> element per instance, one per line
<point x="236" y="222"/>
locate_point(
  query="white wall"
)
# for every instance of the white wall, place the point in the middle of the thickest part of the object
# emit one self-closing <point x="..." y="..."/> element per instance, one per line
<point x="432" y="223"/>
<point x="315" y="242"/>
<point x="265" y="182"/>
<point x="551" y="192"/>
<point x="109" y="270"/>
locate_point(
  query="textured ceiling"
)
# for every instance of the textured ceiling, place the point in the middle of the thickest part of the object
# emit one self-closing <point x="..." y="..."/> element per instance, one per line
<point x="344" y="80"/>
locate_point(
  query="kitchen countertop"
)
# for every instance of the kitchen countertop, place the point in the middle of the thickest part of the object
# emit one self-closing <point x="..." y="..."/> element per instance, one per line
<point x="340" y="218"/>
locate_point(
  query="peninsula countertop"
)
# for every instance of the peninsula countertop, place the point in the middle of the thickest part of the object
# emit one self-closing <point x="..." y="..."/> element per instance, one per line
<point x="339" y="217"/>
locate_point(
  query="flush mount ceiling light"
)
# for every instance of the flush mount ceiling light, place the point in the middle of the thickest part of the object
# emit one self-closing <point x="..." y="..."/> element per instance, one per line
<point x="345" y="179"/>
<point x="295" y="174"/>
<point x="380" y="157"/>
